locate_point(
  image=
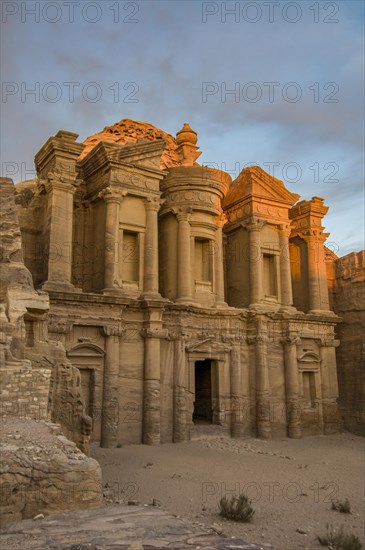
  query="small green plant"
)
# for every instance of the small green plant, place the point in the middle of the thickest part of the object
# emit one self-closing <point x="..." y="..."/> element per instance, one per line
<point x="342" y="506"/>
<point x="339" y="540"/>
<point x="237" y="508"/>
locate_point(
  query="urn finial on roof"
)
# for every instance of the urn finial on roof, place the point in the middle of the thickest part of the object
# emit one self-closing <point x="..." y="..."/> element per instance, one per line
<point x="187" y="149"/>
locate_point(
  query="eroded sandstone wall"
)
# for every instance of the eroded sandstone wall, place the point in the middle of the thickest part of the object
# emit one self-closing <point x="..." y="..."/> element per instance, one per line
<point x="28" y="364"/>
<point x="348" y="303"/>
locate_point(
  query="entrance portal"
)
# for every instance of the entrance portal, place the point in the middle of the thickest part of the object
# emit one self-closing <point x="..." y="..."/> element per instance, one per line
<point x="203" y="410"/>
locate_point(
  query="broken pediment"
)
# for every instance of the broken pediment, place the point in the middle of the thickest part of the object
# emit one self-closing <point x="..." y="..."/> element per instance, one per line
<point x="254" y="184"/>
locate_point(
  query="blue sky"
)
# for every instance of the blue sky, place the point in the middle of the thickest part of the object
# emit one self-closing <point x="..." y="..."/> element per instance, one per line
<point x="280" y="84"/>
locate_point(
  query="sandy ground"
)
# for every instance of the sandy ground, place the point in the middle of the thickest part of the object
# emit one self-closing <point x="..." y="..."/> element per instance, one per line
<point x="291" y="483"/>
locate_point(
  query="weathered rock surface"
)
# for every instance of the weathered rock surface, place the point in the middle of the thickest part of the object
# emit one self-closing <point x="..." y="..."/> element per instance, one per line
<point x="122" y="527"/>
<point x="129" y="131"/>
<point x="42" y="472"/>
<point x="348" y="303"/>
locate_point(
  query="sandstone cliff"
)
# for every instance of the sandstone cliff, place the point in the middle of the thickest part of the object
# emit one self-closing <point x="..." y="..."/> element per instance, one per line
<point x="348" y="302"/>
<point x="29" y="364"/>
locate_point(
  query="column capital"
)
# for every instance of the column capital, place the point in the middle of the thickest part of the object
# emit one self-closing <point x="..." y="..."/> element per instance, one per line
<point x="291" y="340"/>
<point x="232" y="338"/>
<point x="284" y="229"/>
<point x="329" y="342"/>
<point x="254" y="224"/>
<point x="60" y="326"/>
<point x="312" y="235"/>
<point x="56" y="180"/>
<point x="183" y="214"/>
<point x="258" y="339"/>
<point x="155" y="333"/>
<point x="111" y="194"/>
<point x="113" y="330"/>
<point x="153" y="203"/>
<point x="221" y="220"/>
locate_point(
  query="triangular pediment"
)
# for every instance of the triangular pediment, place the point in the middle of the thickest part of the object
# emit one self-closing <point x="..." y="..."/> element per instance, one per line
<point x="143" y="154"/>
<point x="256" y="184"/>
<point x="198" y="345"/>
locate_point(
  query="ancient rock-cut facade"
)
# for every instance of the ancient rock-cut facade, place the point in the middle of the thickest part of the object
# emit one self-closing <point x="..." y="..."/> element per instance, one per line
<point x="183" y="298"/>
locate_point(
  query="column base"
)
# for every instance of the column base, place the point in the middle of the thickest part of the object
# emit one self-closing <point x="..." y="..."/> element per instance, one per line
<point x="56" y="286"/>
<point x="186" y="301"/>
<point x="263" y="430"/>
<point x="288" y="309"/>
<point x="114" y="291"/>
<point x="238" y="430"/>
<point x="322" y="312"/>
<point x="150" y="296"/>
<point x="219" y="304"/>
<point x="264" y="307"/>
<point x="294" y="431"/>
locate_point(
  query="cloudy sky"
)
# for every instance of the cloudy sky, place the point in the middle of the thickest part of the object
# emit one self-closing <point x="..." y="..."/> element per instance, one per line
<point x="279" y="84"/>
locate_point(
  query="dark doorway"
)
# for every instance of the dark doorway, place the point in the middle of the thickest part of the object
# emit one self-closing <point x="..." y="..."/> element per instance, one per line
<point x="203" y="392"/>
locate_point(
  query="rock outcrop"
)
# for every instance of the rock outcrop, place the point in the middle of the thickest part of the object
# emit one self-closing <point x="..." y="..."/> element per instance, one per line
<point x="42" y="472"/>
<point x="29" y="365"/>
<point x="348" y="302"/>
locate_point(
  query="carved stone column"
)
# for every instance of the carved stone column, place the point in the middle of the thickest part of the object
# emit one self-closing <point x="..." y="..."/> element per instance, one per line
<point x="184" y="291"/>
<point x="150" y="278"/>
<point x="255" y="259"/>
<point x="285" y="273"/>
<point x="237" y="401"/>
<point x="181" y="427"/>
<point x="112" y="198"/>
<point x="151" y="429"/>
<point x="318" y="289"/>
<point x="60" y="233"/>
<point x="262" y="383"/>
<point x="292" y="386"/>
<point x="110" y="408"/>
<point x="218" y="264"/>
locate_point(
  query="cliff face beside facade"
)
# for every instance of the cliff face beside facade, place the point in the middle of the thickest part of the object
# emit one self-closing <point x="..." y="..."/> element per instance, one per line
<point x="348" y="302"/>
<point x="29" y="366"/>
